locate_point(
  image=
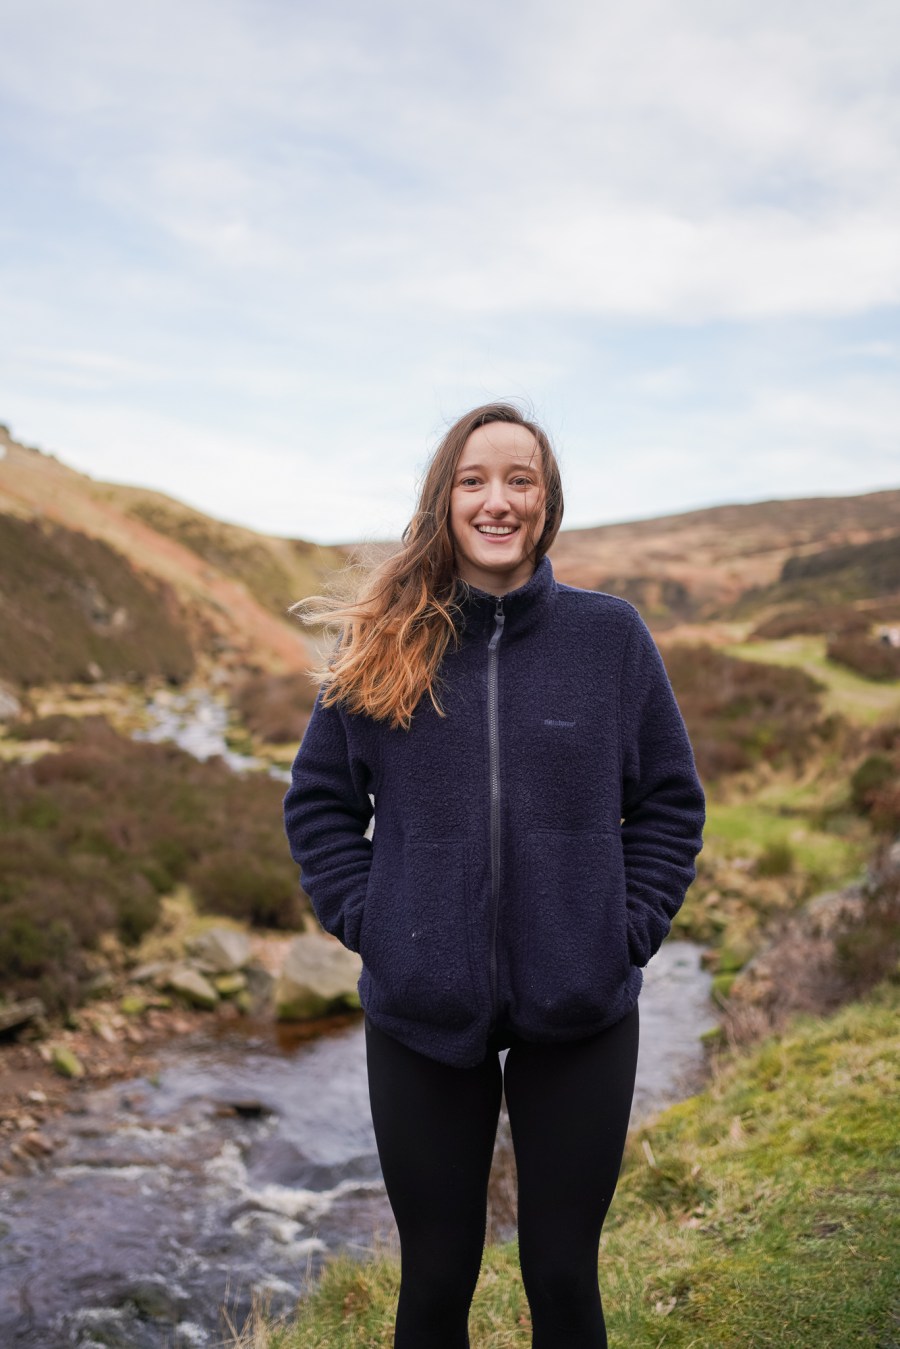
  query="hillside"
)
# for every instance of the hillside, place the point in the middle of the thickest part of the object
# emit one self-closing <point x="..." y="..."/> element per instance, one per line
<point x="102" y="580"/>
<point x="225" y="589"/>
<point x="699" y="564"/>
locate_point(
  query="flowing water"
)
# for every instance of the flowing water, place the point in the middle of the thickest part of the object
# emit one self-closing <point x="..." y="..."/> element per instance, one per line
<point x="234" y="1171"/>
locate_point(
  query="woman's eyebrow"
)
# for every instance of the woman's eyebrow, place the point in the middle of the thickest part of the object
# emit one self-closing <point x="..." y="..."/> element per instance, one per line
<point x="526" y="465"/>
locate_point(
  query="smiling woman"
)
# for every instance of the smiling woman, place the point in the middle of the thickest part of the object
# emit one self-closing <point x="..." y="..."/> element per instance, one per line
<point x="497" y="509"/>
<point x="538" y="815"/>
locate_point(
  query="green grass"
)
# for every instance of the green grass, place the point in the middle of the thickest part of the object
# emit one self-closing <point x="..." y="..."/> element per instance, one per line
<point x="748" y="828"/>
<point x="850" y="695"/>
<point x="763" y="1213"/>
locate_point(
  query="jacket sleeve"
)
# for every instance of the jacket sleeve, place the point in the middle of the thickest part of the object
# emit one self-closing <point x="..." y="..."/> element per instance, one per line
<point x="327" y="810"/>
<point x="663" y="808"/>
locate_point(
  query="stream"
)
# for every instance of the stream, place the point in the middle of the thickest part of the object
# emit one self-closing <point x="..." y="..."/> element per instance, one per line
<point x="169" y="1204"/>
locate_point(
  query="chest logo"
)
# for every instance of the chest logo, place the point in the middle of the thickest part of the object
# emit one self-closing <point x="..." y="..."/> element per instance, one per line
<point x="553" y="721"/>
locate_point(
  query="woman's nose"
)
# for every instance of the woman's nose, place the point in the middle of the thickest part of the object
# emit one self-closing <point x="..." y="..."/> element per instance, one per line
<point x="497" y="500"/>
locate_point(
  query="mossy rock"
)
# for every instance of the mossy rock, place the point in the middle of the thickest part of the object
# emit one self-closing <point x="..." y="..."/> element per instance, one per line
<point x="66" y="1062"/>
<point x="132" y="1004"/>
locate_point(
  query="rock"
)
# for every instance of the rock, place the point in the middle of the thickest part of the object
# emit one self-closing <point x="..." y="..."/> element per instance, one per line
<point x="66" y="1062"/>
<point x="102" y="983"/>
<point x="106" y="1033"/>
<point x="191" y="985"/>
<point x="221" y="950"/>
<point x="20" y="1013"/>
<point x="244" y="1001"/>
<point x="132" y="1004"/>
<point x="260" y="984"/>
<point x="319" y="976"/>
<point x="155" y="969"/>
<point x="229" y="984"/>
<point x="36" y="1143"/>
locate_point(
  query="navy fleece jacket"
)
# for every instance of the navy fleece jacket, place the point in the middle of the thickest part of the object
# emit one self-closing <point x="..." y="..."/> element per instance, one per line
<point x="531" y="847"/>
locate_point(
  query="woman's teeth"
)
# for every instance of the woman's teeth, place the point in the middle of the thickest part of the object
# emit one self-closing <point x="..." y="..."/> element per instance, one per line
<point x="495" y="529"/>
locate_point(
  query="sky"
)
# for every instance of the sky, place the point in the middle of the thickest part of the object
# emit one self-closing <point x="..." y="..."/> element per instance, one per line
<point x="258" y="254"/>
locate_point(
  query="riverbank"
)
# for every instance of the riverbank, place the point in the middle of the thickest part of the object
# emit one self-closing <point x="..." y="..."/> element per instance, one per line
<point x="757" y="1214"/>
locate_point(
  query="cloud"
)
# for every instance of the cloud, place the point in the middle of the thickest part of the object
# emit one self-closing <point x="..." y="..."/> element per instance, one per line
<point x="311" y="234"/>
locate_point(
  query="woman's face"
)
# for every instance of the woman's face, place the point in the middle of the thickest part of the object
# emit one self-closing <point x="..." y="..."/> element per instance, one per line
<point x="497" y="507"/>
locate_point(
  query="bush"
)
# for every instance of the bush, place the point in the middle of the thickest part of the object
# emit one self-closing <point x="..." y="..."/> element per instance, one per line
<point x="866" y="655"/>
<point x="810" y="621"/>
<point x="276" y="707"/>
<point x="869" y="950"/>
<point x="776" y="859"/>
<point x="740" y="712"/>
<point x="93" y="835"/>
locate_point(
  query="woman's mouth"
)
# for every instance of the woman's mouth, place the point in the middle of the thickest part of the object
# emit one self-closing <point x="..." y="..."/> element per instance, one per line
<point x="497" y="531"/>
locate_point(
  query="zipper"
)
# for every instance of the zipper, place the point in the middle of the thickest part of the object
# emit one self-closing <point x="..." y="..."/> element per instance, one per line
<point x="494" y="757"/>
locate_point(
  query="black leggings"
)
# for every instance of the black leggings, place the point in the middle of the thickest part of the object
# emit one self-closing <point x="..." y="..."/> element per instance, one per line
<point x="435" y="1127"/>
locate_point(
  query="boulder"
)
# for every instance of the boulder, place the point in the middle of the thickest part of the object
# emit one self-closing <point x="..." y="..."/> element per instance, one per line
<point x="14" y="1014"/>
<point x="221" y="950"/>
<point x="191" y="985"/>
<point x="319" y="976"/>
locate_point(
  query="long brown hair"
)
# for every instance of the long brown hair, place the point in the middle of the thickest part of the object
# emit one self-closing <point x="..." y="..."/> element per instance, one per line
<point x="395" y="633"/>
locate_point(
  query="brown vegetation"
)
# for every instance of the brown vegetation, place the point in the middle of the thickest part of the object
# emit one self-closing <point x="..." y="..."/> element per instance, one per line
<point x="74" y="609"/>
<point x="275" y="707"/>
<point x="740" y="713"/>
<point x="92" y="836"/>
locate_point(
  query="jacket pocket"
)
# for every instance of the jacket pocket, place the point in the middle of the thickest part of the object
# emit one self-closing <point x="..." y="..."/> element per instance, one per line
<point x="414" y="937"/>
<point x="575" y="952"/>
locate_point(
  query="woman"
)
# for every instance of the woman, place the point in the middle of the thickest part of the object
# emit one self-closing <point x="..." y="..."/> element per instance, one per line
<point x="538" y="815"/>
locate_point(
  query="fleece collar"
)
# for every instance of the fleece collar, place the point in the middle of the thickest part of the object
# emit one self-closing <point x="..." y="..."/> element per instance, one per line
<point x="522" y="607"/>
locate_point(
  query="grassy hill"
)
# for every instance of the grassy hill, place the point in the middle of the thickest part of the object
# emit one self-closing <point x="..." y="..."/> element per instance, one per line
<point x="226" y="588"/>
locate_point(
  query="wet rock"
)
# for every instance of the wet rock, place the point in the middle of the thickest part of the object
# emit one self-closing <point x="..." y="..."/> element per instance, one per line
<point x="152" y="1301"/>
<point x="319" y="976"/>
<point x="36" y="1143"/>
<point x="191" y="985"/>
<point x="221" y="950"/>
<point x="260" y="984"/>
<point x="66" y="1061"/>
<point x="14" y="1014"/>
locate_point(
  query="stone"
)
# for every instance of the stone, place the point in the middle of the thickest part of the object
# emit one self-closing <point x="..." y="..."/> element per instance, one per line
<point x="151" y="972"/>
<point x="319" y="977"/>
<point x="260" y="984"/>
<point x="191" y="985"/>
<point x="132" y="1004"/>
<point x="66" y="1061"/>
<point x="14" y="1014"/>
<point x="221" y="950"/>
<point x="229" y="984"/>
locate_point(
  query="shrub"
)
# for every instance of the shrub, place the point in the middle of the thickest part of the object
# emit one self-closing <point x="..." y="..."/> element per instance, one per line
<point x="866" y="655"/>
<point x="811" y="620"/>
<point x="776" y="859"/>
<point x="868" y="950"/>
<point x="742" y="712"/>
<point x="276" y="707"/>
<point x="93" y="835"/>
